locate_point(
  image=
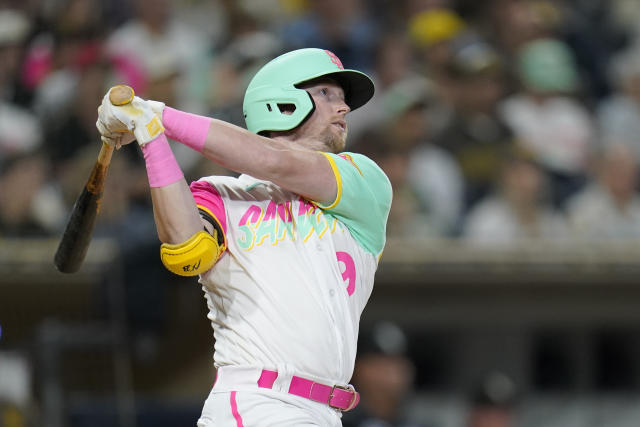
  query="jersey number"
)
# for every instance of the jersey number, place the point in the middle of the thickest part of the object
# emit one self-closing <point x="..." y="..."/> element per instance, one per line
<point x="349" y="273"/>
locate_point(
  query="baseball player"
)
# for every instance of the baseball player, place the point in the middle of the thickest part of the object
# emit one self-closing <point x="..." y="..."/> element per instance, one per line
<point x="289" y="249"/>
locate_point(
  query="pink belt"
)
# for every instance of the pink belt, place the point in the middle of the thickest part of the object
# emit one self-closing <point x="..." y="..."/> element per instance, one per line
<point x="337" y="397"/>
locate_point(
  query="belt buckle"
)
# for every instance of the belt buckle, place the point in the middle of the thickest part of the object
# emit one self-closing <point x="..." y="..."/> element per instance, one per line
<point x="348" y="388"/>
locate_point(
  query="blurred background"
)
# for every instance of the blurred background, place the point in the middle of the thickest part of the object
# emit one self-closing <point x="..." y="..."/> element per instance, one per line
<point x="508" y="294"/>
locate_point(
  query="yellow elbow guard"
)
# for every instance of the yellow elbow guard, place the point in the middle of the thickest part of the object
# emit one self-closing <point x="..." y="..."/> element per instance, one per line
<point x="193" y="257"/>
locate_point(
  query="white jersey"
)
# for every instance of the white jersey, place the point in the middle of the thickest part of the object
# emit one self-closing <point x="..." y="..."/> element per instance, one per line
<point x="289" y="291"/>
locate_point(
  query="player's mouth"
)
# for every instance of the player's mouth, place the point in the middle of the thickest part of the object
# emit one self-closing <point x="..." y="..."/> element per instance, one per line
<point x="341" y="124"/>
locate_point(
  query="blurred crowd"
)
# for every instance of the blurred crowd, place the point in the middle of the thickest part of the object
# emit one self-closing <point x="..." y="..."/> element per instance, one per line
<point x="497" y="122"/>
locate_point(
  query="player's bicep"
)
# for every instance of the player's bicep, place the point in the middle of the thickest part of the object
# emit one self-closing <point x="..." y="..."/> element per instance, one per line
<point x="307" y="173"/>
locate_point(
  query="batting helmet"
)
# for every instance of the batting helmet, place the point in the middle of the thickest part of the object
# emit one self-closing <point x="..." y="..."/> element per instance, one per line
<point x="275" y="85"/>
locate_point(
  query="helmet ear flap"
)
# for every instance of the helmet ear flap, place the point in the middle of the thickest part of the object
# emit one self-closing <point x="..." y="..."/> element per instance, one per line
<point x="270" y="108"/>
<point x="311" y="110"/>
<point x="284" y="109"/>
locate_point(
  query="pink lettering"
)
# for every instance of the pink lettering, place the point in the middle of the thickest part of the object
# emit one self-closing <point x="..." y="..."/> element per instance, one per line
<point x="252" y="215"/>
<point x="284" y="212"/>
<point x="305" y="207"/>
<point x="349" y="273"/>
<point x="270" y="213"/>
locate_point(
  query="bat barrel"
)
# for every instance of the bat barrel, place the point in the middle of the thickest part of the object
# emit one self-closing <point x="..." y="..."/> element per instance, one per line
<point x="77" y="235"/>
<point x="75" y="240"/>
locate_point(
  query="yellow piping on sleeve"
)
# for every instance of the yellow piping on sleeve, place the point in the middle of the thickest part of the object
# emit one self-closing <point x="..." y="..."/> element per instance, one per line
<point x="336" y="172"/>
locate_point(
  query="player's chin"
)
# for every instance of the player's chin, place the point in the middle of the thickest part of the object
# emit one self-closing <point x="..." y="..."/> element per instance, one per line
<point x="338" y="142"/>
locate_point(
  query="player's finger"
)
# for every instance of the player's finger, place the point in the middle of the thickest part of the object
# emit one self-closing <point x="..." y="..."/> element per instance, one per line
<point x="109" y="140"/>
<point x="101" y="127"/>
<point x="106" y="127"/>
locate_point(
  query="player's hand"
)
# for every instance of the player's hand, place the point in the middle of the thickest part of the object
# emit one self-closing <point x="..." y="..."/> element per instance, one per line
<point x="114" y="138"/>
<point x="142" y="118"/>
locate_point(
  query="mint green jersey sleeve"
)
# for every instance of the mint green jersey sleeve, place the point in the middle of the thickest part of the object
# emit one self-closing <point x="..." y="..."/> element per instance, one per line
<point x="363" y="200"/>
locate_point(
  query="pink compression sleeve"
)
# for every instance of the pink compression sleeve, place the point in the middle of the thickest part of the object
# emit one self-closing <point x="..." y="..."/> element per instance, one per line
<point x="189" y="129"/>
<point x="162" y="167"/>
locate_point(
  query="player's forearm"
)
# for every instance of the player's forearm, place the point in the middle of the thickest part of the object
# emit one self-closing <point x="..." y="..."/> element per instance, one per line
<point x="226" y="144"/>
<point x="189" y="129"/>
<point x="175" y="211"/>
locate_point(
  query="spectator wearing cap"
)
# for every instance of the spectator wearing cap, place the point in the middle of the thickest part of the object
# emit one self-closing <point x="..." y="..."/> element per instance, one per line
<point x="430" y="173"/>
<point x="432" y="32"/>
<point x="547" y="118"/>
<point x="384" y="377"/>
<point x="393" y="63"/>
<point x="513" y="24"/>
<point x="474" y="134"/>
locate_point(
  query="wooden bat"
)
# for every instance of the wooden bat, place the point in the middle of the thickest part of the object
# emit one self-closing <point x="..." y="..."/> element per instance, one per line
<point x="77" y="235"/>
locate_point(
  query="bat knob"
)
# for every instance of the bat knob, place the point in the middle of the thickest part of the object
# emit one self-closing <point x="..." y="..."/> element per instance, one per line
<point x="121" y="95"/>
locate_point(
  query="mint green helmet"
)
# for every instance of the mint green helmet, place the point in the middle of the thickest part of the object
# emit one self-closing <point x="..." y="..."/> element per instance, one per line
<point x="275" y="85"/>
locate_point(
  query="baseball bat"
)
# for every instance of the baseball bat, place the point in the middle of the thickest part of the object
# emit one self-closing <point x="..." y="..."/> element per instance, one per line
<point x="73" y="246"/>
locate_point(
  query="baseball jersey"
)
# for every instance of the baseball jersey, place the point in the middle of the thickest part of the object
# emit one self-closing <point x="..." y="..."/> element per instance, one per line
<point x="289" y="291"/>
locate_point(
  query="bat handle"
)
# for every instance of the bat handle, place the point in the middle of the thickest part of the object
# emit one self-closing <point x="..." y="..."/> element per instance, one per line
<point x="121" y="95"/>
<point x="104" y="157"/>
<point x="95" y="184"/>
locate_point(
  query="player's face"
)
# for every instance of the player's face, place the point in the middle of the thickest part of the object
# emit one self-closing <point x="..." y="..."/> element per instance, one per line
<point x="326" y="127"/>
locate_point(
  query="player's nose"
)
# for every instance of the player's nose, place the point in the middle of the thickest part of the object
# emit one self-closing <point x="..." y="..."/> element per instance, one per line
<point x="342" y="108"/>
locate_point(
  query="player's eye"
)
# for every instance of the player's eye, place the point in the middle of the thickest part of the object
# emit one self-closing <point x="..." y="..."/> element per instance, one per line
<point x="324" y="92"/>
